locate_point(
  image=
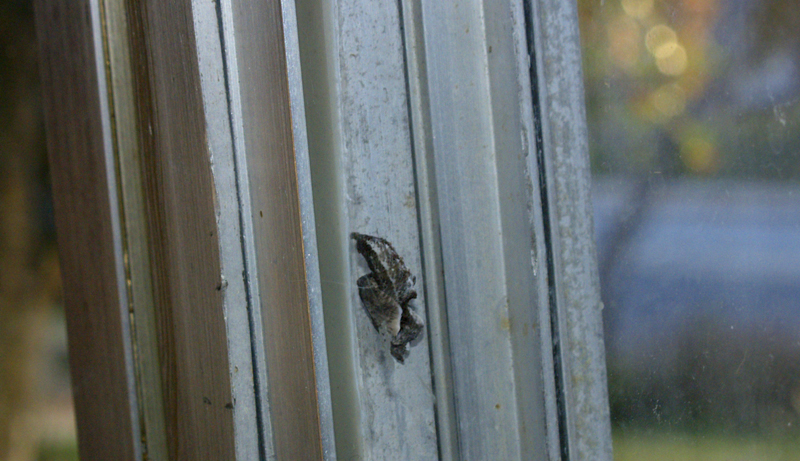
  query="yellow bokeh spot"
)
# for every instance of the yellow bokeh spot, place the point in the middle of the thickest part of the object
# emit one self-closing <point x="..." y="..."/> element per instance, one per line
<point x="671" y="59"/>
<point x="669" y="100"/>
<point x="699" y="154"/>
<point x="659" y="36"/>
<point x="666" y="50"/>
<point x="662" y="42"/>
<point x="638" y="9"/>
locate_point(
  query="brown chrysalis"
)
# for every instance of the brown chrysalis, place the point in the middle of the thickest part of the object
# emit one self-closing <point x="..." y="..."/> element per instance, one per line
<point x="386" y="292"/>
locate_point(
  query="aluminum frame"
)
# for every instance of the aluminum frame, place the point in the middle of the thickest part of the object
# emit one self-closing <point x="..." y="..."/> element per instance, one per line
<point x="454" y="130"/>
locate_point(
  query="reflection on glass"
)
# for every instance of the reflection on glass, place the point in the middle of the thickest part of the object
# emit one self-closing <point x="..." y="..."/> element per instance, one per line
<point x="694" y="119"/>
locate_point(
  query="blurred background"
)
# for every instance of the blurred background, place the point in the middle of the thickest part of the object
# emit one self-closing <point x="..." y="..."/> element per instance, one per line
<point x="694" y="119"/>
<point x="36" y="417"/>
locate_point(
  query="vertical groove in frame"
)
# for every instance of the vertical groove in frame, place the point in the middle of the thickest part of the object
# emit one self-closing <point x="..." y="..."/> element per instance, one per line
<point x="289" y="407"/>
<point x="124" y="126"/>
<point x="100" y="40"/>
<point x="236" y="304"/>
<point x="319" y="63"/>
<point x="263" y="429"/>
<point x="561" y="403"/>
<point x="277" y="214"/>
<point x="290" y="36"/>
<point x="107" y="114"/>
<point x="584" y="395"/>
<point x="583" y="411"/>
<point x="429" y="234"/>
<point x="137" y="415"/>
<point x="145" y="117"/>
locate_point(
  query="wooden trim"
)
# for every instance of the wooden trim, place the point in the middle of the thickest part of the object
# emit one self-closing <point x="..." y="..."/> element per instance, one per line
<point x="184" y="246"/>
<point x="85" y="207"/>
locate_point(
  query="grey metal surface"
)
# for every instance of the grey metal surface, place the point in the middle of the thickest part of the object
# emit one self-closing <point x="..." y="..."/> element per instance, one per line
<point x="228" y="34"/>
<point x="422" y="131"/>
<point x="292" y="50"/>
<point x="491" y="229"/>
<point x="317" y="42"/>
<point x="363" y="172"/>
<point x="556" y="47"/>
<point x="265" y="92"/>
<point x="395" y="401"/>
<point x="430" y="245"/>
<point x="236" y="301"/>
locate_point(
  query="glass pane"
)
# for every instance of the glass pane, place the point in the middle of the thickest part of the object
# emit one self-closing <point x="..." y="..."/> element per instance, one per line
<point x="694" y="116"/>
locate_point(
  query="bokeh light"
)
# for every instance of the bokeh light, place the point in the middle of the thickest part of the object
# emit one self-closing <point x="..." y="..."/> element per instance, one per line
<point x="658" y="37"/>
<point x="668" y="101"/>
<point x="671" y="59"/>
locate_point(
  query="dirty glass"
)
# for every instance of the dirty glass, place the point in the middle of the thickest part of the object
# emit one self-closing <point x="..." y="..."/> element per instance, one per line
<point x="694" y="116"/>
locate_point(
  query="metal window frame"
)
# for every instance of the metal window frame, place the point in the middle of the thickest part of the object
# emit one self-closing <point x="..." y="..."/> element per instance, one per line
<point x="209" y="242"/>
<point x="224" y="153"/>
<point x="554" y="45"/>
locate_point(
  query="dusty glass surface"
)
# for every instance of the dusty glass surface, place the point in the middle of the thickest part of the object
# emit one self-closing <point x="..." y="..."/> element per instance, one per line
<point x="693" y="111"/>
